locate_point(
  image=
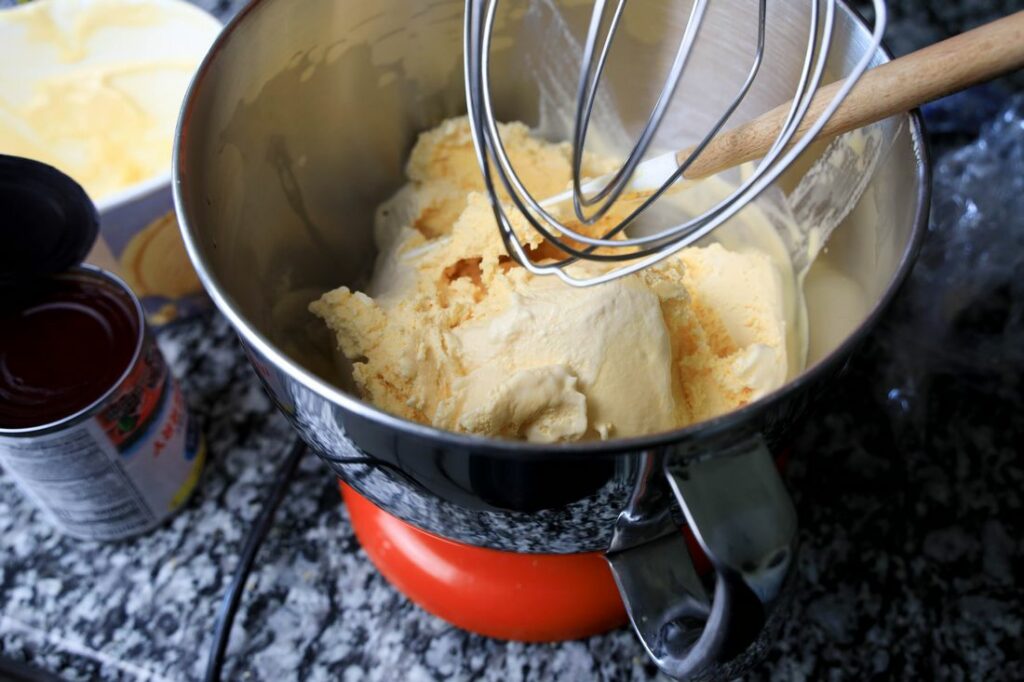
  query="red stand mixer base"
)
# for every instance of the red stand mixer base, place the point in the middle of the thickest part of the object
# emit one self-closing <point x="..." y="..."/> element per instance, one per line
<point x="522" y="597"/>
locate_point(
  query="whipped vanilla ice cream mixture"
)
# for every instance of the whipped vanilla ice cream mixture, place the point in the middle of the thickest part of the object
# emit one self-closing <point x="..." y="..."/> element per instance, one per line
<point x="452" y="333"/>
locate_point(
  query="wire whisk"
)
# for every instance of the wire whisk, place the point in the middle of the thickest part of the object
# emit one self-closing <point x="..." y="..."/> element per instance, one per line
<point x="625" y="254"/>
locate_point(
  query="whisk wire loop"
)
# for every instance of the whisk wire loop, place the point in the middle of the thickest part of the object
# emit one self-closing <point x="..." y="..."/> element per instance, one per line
<point x="636" y="253"/>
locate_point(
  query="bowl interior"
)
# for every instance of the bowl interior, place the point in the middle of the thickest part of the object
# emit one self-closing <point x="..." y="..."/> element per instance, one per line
<point x="300" y="122"/>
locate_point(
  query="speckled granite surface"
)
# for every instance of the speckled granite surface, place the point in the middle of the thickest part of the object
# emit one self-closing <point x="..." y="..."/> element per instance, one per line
<point x="909" y="487"/>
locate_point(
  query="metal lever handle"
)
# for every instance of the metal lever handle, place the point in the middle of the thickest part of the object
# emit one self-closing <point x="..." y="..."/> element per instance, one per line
<point x="743" y="519"/>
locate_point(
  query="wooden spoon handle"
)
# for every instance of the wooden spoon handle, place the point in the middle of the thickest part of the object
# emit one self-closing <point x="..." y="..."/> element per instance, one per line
<point x="898" y="86"/>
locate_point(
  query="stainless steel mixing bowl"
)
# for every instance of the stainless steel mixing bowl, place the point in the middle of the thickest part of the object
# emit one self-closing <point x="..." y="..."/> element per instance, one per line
<point x="298" y="125"/>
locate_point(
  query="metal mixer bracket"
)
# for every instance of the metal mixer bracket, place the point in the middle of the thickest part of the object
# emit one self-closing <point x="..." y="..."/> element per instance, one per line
<point x="742" y="517"/>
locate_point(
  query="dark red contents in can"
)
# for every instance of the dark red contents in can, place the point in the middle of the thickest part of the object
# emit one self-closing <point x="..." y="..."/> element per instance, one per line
<point x="64" y="342"/>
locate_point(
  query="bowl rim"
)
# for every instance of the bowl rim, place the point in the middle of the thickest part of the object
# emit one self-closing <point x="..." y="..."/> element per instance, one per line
<point x="526" y="450"/>
<point x="132" y="193"/>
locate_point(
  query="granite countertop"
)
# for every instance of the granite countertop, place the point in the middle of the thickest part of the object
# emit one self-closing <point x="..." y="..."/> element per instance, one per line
<point x="908" y="482"/>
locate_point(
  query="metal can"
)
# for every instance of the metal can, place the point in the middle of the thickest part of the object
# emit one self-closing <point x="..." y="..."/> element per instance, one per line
<point x="93" y="427"/>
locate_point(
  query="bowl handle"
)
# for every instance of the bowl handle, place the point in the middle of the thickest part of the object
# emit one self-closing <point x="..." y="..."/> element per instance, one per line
<point x="743" y="518"/>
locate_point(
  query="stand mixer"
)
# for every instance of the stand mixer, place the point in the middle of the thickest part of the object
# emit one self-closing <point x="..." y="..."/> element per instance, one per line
<point x="296" y="128"/>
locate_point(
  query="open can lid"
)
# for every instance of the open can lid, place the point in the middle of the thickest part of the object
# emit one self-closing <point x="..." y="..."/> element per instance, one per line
<point x="47" y="222"/>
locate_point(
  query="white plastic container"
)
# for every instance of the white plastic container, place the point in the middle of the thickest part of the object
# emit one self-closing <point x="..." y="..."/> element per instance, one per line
<point x="94" y="88"/>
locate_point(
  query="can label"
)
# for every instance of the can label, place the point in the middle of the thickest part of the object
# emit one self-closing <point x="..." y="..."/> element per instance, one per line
<point x="121" y="471"/>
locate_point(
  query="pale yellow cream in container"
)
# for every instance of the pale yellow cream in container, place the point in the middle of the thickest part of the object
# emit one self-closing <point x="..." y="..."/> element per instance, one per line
<point x="94" y="87"/>
<point x="451" y="333"/>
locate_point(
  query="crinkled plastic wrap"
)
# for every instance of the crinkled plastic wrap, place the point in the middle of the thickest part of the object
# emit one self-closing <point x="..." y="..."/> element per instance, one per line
<point x="963" y="308"/>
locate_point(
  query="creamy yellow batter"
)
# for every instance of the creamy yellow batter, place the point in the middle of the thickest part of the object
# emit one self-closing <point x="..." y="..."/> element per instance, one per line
<point x="452" y="333"/>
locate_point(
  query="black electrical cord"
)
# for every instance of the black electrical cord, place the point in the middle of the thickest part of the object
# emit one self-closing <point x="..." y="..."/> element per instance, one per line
<point x="226" y="615"/>
<point x="15" y="670"/>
